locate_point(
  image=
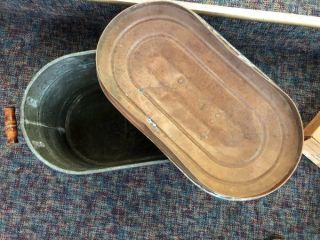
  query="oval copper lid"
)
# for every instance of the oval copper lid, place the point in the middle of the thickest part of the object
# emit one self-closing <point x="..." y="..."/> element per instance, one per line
<point x="218" y="118"/>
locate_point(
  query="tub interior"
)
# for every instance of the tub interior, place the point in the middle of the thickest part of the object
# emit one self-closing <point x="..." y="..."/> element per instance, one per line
<point x="70" y="123"/>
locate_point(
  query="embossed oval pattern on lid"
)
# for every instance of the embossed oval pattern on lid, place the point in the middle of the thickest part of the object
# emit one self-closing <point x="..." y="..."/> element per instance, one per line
<point x="218" y="118"/>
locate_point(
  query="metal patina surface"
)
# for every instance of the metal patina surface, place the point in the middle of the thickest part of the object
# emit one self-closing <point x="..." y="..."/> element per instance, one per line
<point x="70" y="125"/>
<point x="221" y="121"/>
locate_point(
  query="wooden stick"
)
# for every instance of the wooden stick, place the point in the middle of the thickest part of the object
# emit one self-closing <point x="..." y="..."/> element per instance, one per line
<point x="239" y="13"/>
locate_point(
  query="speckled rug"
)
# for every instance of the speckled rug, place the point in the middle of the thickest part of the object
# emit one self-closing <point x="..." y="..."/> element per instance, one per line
<point x="155" y="202"/>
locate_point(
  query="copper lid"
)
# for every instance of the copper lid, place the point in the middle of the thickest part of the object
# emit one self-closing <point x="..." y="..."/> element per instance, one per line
<point x="217" y="117"/>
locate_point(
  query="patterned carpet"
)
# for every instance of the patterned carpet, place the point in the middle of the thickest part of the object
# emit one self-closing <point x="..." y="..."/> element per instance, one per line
<point x="155" y="202"/>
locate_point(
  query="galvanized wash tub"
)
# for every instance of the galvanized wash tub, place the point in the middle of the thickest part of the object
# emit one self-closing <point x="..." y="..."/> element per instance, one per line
<point x="70" y="125"/>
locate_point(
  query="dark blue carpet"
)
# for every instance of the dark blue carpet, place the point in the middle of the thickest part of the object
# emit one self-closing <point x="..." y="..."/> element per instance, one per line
<point x="155" y="202"/>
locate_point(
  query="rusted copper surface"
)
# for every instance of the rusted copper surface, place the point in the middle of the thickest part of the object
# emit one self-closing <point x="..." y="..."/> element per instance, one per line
<point x="217" y="117"/>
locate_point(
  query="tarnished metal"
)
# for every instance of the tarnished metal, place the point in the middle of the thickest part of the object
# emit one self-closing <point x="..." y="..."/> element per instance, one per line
<point x="70" y="125"/>
<point x="220" y="120"/>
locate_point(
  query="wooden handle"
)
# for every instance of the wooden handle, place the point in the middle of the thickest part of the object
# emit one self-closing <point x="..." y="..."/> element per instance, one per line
<point x="10" y="125"/>
<point x="239" y="13"/>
